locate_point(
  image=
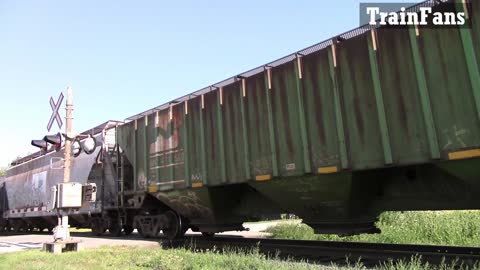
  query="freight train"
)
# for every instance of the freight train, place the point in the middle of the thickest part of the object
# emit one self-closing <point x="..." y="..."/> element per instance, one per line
<point x="372" y="120"/>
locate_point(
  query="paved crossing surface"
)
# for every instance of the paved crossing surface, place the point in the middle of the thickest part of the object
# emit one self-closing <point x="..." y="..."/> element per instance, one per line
<point x="13" y="245"/>
<point x="17" y="243"/>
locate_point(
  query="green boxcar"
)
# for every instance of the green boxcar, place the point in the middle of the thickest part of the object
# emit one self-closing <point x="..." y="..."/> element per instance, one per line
<point x="372" y="120"/>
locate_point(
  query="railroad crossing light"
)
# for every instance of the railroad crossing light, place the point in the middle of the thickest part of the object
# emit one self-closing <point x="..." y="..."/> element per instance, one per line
<point x="40" y="144"/>
<point x="89" y="145"/>
<point x="76" y="147"/>
<point x="55" y="140"/>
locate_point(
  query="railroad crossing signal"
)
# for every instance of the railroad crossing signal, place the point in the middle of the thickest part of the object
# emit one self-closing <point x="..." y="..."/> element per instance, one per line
<point x="56" y="140"/>
<point x="40" y="144"/>
<point x="55" y="114"/>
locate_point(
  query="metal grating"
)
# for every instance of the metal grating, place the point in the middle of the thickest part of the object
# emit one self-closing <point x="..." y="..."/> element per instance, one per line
<point x="101" y="127"/>
<point x="429" y="3"/>
<point x="309" y="50"/>
<point x="226" y="82"/>
<point x="283" y="60"/>
<point x="354" y="33"/>
<point x="252" y="72"/>
<point x="316" y="47"/>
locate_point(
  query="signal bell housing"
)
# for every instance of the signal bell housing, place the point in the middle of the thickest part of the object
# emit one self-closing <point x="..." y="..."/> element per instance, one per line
<point x="76" y="147"/>
<point x="89" y="145"/>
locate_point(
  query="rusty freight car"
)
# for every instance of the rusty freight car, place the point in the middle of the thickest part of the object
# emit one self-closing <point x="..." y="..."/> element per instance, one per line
<point x="368" y="121"/>
<point x="372" y="120"/>
<point x="26" y="199"/>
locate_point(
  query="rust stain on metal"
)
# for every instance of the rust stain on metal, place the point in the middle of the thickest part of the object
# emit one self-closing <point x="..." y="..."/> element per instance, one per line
<point x="244" y="91"/>
<point x="334" y="55"/>
<point x="373" y="33"/>
<point x="299" y="65"/>
<point x="314" y="78"/>
<point x="284" y="108"/>
<point x="269" y="78"/>
<point x="220" y="93"/>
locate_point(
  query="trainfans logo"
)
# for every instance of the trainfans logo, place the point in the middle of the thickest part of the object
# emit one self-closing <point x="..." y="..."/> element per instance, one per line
<point x="434" y="13"/>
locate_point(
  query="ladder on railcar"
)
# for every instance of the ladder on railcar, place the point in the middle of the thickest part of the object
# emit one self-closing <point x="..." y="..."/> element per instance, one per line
<point x="120" y="175"/>
<point x="120" y="171"/>
<point x="116" y="156"/>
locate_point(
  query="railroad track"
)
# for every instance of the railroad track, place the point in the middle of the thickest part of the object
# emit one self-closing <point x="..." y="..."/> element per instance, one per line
<point x="369" y="254"/>
<point x="338" y="252"/>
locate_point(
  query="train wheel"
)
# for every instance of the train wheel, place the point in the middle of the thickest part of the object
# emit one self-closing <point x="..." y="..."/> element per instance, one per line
<point x="127" y="229"/>
<point x="18" y="227"/>
<point x="147" y="226"/>
<point x="208" y="234"/>
<point x="3" y="226"/>
<point x="115" y="227"/>
<point x="142" y="233"/>
<point x="98" y="228"/>
<point x="176" y="228"/>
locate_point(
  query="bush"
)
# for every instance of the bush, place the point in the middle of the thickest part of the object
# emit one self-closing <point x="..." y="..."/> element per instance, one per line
<point x="461" y="228"/>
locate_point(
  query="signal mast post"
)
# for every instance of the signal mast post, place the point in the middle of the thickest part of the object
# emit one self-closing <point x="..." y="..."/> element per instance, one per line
<point x="61" y="233"/>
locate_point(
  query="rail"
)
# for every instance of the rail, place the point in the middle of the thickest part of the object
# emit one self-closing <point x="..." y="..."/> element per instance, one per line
<point x="329" y="251"/>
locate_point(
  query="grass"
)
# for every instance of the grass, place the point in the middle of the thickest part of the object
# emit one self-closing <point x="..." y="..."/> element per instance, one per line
<point x="136" y="258"/>
<point x="460" y="228"/>
<point x="416" y="263"/>
<point x="80" y="230"/>
<point x="448" y="227"/>
<point x="142" y="258"/>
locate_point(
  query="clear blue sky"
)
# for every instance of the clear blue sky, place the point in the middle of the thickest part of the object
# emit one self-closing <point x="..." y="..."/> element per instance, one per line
<point x="124" y="57"/>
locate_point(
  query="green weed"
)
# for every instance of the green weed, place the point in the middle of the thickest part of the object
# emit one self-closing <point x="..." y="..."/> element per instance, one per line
<point x="460" y="228"/>
<point x="152" y="258"/>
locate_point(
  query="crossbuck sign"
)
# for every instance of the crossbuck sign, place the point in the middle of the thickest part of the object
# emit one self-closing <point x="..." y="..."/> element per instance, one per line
<point x="55" y="114"/>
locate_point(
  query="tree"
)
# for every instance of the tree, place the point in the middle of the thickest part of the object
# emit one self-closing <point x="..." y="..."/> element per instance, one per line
<point x="3" y="170"/>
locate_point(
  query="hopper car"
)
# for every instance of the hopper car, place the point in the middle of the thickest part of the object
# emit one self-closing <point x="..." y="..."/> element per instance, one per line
<point x="376" y="119"/>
